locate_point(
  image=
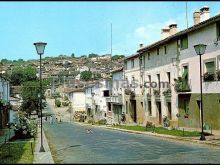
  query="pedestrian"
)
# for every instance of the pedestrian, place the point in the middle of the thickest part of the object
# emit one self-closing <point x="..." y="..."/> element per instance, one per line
<point x="51" y="119"/>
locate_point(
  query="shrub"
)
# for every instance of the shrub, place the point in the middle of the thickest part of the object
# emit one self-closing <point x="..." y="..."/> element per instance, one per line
<point x="25" y="128"/>
<point x="102" y="122"/>
<point x="209" y="76"/>
<point x="64" y="103"/>
<point x="57" y="102"/>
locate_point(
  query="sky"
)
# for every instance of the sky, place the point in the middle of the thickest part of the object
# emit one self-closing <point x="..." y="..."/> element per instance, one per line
<point x="85" y="27"/>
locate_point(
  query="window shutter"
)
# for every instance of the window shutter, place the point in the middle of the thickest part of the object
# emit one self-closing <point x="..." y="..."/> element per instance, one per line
<point x="210" y="67"/>
<point x="185" y="73"/>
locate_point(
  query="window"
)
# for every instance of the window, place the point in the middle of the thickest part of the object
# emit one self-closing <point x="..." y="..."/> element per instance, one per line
<point x="126" y="107"/>
<point x="165" y="49"/>
<point x="158" y="51"/>
<point x="218" y="30"/>
<point x="106" y="93"/>
<point x="168" y="75"/>
<point x="142" y="104"/>
<point x="184" y="42"/>
<point x="158" y="78"/>
<point x="149" y="108"/>
<point x="141" y="62"/>
<point x="149" y="78"/>
<point x="210" y="67"/>
<point x="148" y="55"/>
<point x="185" y="72"/>
<point x="132" y="63"/>
<point x="125" y="65"/>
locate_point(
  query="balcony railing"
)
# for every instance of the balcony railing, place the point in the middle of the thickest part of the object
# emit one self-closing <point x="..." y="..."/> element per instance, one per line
<point x="182" y="85"/>
<point x="115" y="99"/>
<point x="128" y="91"/>
<point x="209" y="76"/>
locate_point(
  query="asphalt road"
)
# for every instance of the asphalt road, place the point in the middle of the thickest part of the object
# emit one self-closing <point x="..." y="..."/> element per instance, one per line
<point x="73" y="144"/>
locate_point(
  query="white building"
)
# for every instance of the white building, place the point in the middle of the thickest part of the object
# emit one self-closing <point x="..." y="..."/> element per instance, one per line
<point x="173" y="59"/>
<point x="4" y="101"/>
<point x="96" y="99"/>
<point x="77" y="98"/>
<point x="115" y="101"/>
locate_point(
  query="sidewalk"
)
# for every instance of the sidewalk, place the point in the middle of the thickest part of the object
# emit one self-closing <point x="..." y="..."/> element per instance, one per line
<point x="42" y="157"/>
<point x="210" y="140"/>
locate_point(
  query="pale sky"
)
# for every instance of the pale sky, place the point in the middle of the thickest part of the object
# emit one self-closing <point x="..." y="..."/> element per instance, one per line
<point x="85" y="27"/>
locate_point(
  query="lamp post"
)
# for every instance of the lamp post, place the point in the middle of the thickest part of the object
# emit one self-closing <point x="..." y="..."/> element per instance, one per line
<point x="200" y="50"/>
<point x="93" y="111"/>
<point x="40" y="46"/>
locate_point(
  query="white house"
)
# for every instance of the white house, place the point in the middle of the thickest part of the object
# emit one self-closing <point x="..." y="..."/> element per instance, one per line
<point x="173" y="59"/>
<point x="115" y="101"/>
<point x="4" y="101"/>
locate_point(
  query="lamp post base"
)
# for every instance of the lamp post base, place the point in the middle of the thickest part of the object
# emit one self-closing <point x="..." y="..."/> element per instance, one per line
<point x="202" y="136"/>
<point x="42" y="149"/>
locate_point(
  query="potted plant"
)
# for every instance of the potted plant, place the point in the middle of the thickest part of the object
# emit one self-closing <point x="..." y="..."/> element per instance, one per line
<point x="208" y="76"/>
<point x="156" y="92"/>
<point x="218" y="74"/>
<point x="167" y="92"/>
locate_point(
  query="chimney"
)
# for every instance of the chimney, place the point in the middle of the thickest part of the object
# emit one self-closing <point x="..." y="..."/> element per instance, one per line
<point x="141" y="45"/>
<point x="196" y="17"/>
<point x="165" y="32"/>
<point x="173" y="28"/>
<point x="204" y="13"/>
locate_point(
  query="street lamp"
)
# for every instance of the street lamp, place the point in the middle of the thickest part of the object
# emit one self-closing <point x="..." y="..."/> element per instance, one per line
<point x="40" y="46"/>
<point x="93" y="108"/>
<point x="200" y="50"/>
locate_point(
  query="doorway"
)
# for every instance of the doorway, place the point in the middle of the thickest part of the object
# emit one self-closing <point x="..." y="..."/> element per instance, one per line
<point x="159" y="112"/>
<point x="134" y="110"/>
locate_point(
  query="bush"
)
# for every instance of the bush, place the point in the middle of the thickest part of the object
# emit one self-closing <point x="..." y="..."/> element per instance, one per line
<point x="57" y="102"/>
<point x="25" y="128"/>
<point x="64" y="103"/>
<point x="102" y="122"/>
<point x="209" y="76"/>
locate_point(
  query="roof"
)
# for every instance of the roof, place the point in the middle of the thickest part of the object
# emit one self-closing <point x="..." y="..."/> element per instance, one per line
<point x="75" y="90"/>
<point x="181" y="33"/>
<point x="117" y="70"/>
<point x="132" y="56"/>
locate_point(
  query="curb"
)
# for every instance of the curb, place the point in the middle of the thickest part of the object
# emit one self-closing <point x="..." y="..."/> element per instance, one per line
<point x="157" y="135"/>
<point x="42" y="157"/>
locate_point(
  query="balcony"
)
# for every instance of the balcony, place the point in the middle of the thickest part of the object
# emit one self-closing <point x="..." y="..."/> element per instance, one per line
<point x="128" y="91"/>
<point x="182" y="85"/>
<point x="167" y="94"/>
<point x="115" y="99"/>
<point x="157" y="94"/>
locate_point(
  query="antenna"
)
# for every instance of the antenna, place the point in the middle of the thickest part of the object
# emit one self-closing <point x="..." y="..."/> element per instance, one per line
<point x="186" y="17"/>
<point x="111" y="40"/>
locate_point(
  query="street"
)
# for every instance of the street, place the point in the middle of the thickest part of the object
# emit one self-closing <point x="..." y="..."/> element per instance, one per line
<point x="71" y="143"/>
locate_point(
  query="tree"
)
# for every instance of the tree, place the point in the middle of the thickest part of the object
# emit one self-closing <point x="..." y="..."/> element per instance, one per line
<point x="97" y="76"/>
<point x="115" y="57"/>
<point x="86" y="75"/>
<point x="20" y="75"/>
<point x="30" y="95"/>
<point x="83" y="56"/>
<point x="73" y="55"/>
<point x="93" y="55"/>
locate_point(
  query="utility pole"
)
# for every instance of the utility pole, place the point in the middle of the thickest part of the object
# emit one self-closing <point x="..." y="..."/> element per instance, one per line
<point x="186" y="17"/>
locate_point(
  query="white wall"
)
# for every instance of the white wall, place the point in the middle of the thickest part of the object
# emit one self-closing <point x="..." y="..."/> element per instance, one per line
<point x="206" y="35"/>
<point x="78" y="101"/>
